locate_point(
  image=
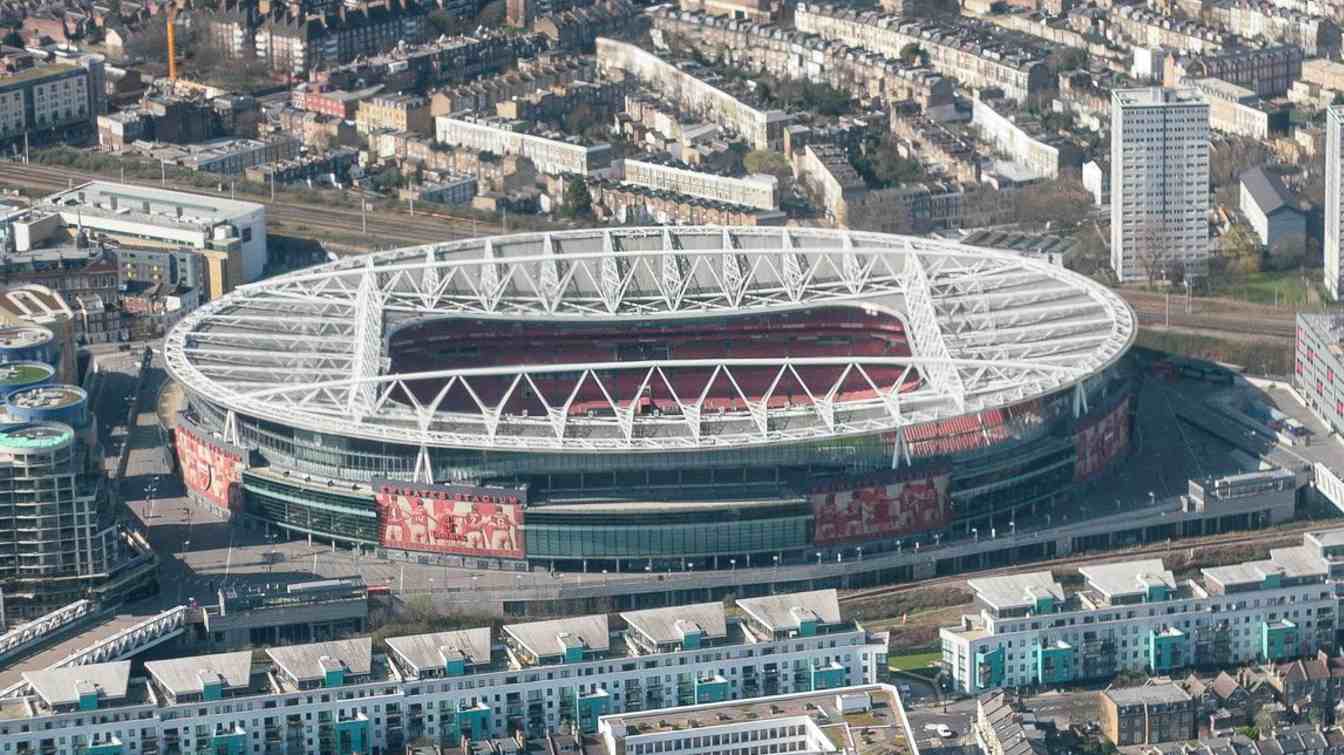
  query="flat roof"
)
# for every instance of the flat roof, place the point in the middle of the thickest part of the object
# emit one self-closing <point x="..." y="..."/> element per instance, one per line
<point x="664" y="625"/>
<point x="1300" y="561"/>
<point x="1328" y="538"/>
<point x="883" y="717"/>
<point x="1016" y="590"/>
<point x="306" y="662"/>
<point x="1240" y="574"/>
<point x="199" y="205"/>
<point x="63" y="686"/>
<point x="424" y="651"/>
<point x="782" y="612"/>
<point x="1128" y="577"/>
<point x="546" y="638"/>
<point x="1148" y="693"/>
<point x="184" y="676"/>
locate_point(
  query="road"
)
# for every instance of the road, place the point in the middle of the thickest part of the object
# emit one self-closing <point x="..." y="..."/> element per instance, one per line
<point x="385" y="228"/>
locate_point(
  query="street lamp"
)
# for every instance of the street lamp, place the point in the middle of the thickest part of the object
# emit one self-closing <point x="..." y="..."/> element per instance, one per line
<point x="818" y="558"/>
<point x="860" y="550"/>
<point x="898" y="548"/>
<point x="976" y="532"/>
<point x="1012" y="525"/>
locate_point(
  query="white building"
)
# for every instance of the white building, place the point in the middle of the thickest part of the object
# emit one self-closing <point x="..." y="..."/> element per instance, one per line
<point x="342" y="697"/>
<point x="1137" y="616"/>
<point x="1097" y="181"/>
<point x="551" y="156"/>
<point x="1159" y="182"/>
<point x="138" y="213"/>
<point x="1334" y="154"/>
<point x="757" y="190"/>
<point x="814" y="723"/>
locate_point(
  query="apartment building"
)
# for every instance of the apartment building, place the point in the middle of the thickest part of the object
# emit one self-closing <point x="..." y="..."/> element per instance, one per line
<point x="1267" y="71"/>
<point x="935" y="145"/>
<point x="1233" y="109"/>
<point x="632" y="204"/>
<point x="797" y="56"/>
<point x="551" y="156"/>
<point x="49" y="101"/>
<point x="1317" y="35"/>
<point x="1144" y="28"/>
<point x="1023" y="138"/>
<point x="293" y="37"/>
<point x="762" y="129"/>
<point x="1148" y="714"/>
<point x="1159" y="183"/>
<point x="975" y="53"/>
<point x="1334" y="200"/>
<point x="1137" y="616"/>
<point x="483" y="94"/>
<point x="340" y="696"/>
<point x="1319" y="370"/>
<point x="759" y="191"/>
<point x="835" y="723"/>
<point x="396" y="112"/>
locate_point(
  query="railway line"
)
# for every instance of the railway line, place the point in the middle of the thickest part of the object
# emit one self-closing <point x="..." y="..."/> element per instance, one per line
<point x="1234" y="538"/>
<point x="400" y="229"/>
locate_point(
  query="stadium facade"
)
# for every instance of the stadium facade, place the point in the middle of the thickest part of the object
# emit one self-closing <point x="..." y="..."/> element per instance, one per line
<point x="686" y="397"/>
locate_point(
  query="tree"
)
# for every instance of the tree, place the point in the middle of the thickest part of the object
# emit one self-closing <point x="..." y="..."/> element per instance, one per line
<point x="1265" y="720"/>
<point x="492" y="14"/>
<point x="1069" y="59"/>
<point x="1057" y="204"/>
<point x="1242" y="251"/>
<point x="768" y="162"/>
<point x="14" y="38"/>
<point x="151" y="44"/>
<point x="446" y="24"/>
<point x="578" y="201"/>
<point x="388" y="180"/>
<point x="913" y="54"/>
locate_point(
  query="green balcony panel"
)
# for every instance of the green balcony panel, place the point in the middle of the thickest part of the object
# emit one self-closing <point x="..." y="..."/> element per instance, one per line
<point x="1278" y="640"/>
<point x="829" y="676"/>
<point x="352" y="736"/>
<point x="1168" y="649"/>
<point x="1055" y="663"/>
<point x="711" y="690"/>
<point x="989" y="668"/>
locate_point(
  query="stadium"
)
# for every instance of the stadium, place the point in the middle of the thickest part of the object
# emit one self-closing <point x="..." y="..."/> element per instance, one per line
<point x="685" y="397"/>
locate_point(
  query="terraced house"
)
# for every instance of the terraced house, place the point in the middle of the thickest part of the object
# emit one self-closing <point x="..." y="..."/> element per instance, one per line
<point x="1137" y="616"/>
<point x="347" y="697"/>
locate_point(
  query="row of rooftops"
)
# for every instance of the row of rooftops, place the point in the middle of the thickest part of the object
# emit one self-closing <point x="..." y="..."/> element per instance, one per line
<point x="1297" y="740"/>
<point x="1269" y="9"/>
<point x="1189" y="28"/>
<point x="800" y="39"/>
<point x="1148" y="580"/>
<point x="971" y="35"/>
<point x="441" y="654"/>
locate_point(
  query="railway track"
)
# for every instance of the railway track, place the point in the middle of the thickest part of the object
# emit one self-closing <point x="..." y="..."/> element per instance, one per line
<point x="1239" y="538"/>
<point x="398" y="230"/>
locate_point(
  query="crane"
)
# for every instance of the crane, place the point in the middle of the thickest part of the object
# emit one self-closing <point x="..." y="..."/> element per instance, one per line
<point x="172" y="46"/>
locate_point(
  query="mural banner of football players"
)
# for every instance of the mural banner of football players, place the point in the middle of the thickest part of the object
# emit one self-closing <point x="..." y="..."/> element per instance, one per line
<point x="1100" y="443"/>
<point x="464" y="520"/>
<point x="212" y="470"/>
<point x="873" y="508"/>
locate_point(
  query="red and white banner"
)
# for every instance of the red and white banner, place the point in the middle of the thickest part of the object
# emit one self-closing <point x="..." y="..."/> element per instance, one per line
<point x="211" y="470"/>
<point x="874" y="509"/>
<point x="1100" y="443"/>
<point x="458" y="519"/>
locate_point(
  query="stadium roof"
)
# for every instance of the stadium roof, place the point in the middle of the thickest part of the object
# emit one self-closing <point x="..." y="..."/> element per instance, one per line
<point x="986" y="329"/>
